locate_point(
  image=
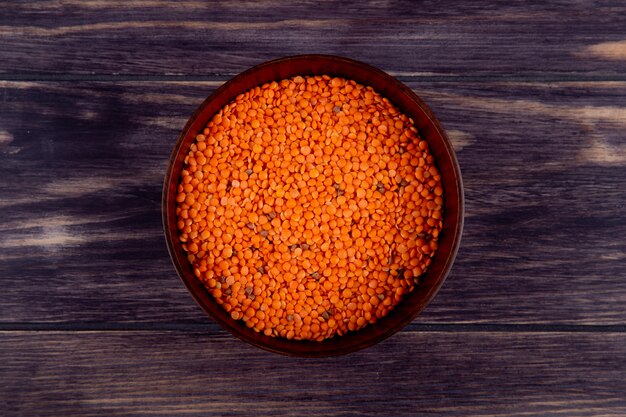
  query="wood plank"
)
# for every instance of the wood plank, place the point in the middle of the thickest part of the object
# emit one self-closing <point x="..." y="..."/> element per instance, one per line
<point x="82" y="164"/>
<point x="159" y="37"/>
<point x="189" y="373"/>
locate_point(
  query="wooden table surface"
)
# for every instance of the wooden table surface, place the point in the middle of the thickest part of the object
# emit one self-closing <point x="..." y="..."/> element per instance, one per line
<point x="93" y="319"/>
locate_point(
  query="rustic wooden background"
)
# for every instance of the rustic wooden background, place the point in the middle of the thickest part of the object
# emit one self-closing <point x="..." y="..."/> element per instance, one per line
<point x="93" y="319"/>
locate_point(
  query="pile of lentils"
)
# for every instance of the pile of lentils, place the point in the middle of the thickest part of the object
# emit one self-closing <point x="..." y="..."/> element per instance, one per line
<point x="309" y="207"/>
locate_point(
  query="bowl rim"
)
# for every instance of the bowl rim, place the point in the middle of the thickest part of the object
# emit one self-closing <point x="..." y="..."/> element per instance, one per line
<point x="309" y="348"/>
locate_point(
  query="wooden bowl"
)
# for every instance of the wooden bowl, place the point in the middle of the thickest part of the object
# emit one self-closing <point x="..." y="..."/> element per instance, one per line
<point x="429" y="129"/>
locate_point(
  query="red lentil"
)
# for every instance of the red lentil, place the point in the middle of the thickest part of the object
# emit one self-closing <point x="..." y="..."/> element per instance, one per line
<point x="309" y="207"/>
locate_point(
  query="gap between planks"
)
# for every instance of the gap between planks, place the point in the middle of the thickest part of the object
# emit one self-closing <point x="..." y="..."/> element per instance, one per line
<point x="213" y="328"/>
<point x="221" y="78"/>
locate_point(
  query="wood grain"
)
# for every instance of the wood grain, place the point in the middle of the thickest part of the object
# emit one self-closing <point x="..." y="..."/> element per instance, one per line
<point x="413" y="373"/>
<point x="529" y="39"/>
<point x="82" y="164"/>
<point x="94" y="321"/>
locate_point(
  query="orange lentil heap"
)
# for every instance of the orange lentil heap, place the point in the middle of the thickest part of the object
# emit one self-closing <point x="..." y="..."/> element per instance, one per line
<point x="309" y="207"/>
